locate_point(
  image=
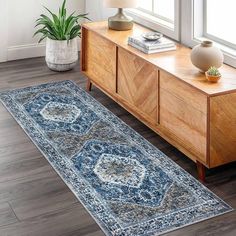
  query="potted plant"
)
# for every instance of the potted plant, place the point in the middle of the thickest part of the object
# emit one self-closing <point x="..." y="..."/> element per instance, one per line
<point x="213" y="75"/>
<point x="61" y="33"/>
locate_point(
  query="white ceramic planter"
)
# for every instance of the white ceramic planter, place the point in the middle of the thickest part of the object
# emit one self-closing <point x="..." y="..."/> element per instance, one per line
<point x="205" y="55"/>
<point x="61" y="55"/>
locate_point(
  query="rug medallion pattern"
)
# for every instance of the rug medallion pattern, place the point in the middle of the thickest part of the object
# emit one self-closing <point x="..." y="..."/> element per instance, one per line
<point x="127" y="185"/>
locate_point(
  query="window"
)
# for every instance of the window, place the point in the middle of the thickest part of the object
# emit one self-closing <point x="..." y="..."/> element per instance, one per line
<point x="200" y="20"/>
<point x="213" y="20"/>
<point x="163" y="9"/>
<point x="218" y="24"/>
<point x="161" y="15"/>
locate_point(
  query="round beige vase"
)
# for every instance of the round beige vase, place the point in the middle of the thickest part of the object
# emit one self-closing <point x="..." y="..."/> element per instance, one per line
<point x="205" y="55"/>
<point x="61" y="55"/>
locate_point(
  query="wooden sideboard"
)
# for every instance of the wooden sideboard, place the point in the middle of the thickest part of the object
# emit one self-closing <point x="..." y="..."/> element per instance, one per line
<point x="166" y="92"/>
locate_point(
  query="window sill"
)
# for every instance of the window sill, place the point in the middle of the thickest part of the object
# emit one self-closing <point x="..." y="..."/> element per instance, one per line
<point x="152" y="18"/>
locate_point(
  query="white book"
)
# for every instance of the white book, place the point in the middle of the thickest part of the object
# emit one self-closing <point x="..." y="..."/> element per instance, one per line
<point x="149" y="45"/>
<point x="166" y="49"/>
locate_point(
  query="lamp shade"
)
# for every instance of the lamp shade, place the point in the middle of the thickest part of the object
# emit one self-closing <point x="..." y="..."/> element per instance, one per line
<point x="121" y="3"/>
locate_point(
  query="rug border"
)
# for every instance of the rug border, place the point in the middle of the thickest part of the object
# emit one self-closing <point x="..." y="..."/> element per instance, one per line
<point x="101" y="224"/>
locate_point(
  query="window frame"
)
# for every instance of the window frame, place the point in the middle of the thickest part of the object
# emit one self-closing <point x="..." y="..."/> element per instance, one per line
<point x="153" y="13"/>
<point x="185" y="29"/>
<point x="157" y="22"/>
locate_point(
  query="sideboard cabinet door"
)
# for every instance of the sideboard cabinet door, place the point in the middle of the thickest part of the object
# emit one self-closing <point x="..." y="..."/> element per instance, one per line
<point x="138" y="84"/>
<point x="100" y="61"/>
<point x="183" y="115"/>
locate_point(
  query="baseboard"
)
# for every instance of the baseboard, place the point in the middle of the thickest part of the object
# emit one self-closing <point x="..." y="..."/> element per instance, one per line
<point x="25" y="51"/>
<point x="29" y="51"/>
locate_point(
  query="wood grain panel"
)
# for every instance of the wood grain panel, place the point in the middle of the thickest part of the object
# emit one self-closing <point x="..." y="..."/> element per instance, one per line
<point x="100" y="61"/>
<point x="45" y="204"/>
<point x="223" y="129"/>
<point x="62" y="222"/>
<point x="179" y="116"/>
<point x="184" y="92"/>
<point x="7" y="215"/>
<point x="138" y="83"/>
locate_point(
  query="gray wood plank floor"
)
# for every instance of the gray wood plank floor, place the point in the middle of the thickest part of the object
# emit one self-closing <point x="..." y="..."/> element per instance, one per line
<point x="34" y="201"/>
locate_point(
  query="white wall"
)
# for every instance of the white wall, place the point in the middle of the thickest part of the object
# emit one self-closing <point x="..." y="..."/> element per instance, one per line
<point x="17" y="19"/>
<point x="97" y="11"/>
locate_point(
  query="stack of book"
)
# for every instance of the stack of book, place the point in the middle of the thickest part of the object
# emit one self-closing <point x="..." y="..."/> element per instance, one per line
<point x="161" y="45"/>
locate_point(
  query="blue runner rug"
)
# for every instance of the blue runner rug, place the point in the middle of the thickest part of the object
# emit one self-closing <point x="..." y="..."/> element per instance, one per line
<point x="127" y="185"/>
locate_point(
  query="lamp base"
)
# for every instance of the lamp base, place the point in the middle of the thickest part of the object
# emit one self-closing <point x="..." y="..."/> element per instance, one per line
<point x="120" y="21"/>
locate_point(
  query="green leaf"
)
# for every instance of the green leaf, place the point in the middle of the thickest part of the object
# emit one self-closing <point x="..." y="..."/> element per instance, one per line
<point x="63" y="7"/>
<point x="71" y="24"/>
<point x="42" y="38"/>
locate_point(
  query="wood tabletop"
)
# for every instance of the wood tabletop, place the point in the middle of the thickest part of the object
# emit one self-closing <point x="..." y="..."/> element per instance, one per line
<point x="176" y="63"/>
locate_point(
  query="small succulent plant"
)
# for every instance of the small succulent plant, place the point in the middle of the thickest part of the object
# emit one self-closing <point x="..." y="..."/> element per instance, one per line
<point x="213" y="71"/>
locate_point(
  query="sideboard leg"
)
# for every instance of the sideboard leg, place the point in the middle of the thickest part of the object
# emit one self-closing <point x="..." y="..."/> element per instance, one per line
<point x="89" y="85"/>
<point x="201" y="170"/>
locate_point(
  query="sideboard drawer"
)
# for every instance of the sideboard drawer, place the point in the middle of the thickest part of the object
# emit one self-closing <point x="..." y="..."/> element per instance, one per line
<point x="183" y="113"/>
<point x="138" y="84"/>
<point x="100" y="61"/>
<point x="184" y="92"/>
